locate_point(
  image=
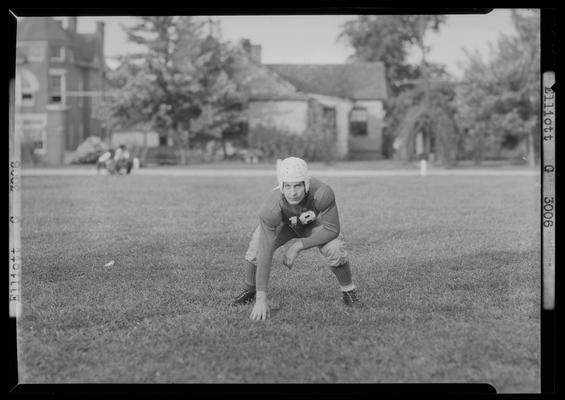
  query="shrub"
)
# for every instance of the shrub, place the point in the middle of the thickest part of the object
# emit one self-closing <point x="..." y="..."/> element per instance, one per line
<point x="274" y="142"/>
<point x="162" y="156"/>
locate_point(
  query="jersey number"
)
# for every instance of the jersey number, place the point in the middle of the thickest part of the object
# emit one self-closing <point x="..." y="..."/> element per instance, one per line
<point x="305" y="218"/>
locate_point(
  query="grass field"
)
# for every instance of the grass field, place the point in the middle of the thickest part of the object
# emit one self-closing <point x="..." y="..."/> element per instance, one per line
<point x="448" y="267"/>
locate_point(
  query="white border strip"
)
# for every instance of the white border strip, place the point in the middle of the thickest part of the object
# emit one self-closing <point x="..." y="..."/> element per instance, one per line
<point x="15" y="211"/>
<point x="548" y="199"/>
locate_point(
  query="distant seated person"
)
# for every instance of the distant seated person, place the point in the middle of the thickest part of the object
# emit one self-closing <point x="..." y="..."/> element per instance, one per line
<point x="105" y="161"/>
<point x="122" y="159"/>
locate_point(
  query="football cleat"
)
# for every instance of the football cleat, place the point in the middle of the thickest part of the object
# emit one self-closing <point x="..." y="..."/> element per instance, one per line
<point x="245" y="297"/>
<point x="351" y="300"/>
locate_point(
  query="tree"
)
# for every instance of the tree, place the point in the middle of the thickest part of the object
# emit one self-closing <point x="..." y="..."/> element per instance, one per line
<point x="498" y="100"/>
<point x="388" y="38"/>
<point x="429" y="110"/>
<point x="181" y="74"/>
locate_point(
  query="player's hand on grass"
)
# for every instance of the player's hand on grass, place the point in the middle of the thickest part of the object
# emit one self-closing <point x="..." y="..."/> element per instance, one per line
<point x="261" y="308"/>
<point x="292" y="253"/>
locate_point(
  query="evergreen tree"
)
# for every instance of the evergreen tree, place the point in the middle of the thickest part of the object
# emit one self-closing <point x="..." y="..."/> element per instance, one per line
<point x="183" y="75"/>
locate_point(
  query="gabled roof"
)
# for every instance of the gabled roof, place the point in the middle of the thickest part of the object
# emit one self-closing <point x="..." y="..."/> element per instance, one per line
<point x="356" y="81"/>
<point x="40" y="29"/>
<point x="261" y="83"/>
<point x="84" y="45"/>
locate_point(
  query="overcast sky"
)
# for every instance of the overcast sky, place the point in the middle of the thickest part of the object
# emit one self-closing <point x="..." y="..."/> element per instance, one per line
<point x="314" y="39"/>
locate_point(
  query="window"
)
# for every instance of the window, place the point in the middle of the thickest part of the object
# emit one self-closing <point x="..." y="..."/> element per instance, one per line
<point x="57" y="53"/>
<point x="34" y="51"/>
<point x="358" y="122"/>
<point x="27" y="85"/>
<point x="56" y="88"/>
<point x="27" y="91"/>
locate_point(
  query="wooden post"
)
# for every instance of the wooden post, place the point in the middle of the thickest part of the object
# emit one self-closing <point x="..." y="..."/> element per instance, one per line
<point x="423" y="167"/>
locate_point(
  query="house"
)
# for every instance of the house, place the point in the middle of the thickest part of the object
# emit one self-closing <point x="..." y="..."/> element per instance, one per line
<point x="59" y="79"/>
<point x="350" y="96"/>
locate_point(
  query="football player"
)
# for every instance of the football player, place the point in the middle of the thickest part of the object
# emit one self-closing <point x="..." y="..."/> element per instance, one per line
<point x="302" y="208"/>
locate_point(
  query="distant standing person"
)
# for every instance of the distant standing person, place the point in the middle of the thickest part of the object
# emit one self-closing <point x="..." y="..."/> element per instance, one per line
<point x="122" y="159"/>
<point x="300" y="208"/>
<point x="396" y="147"/>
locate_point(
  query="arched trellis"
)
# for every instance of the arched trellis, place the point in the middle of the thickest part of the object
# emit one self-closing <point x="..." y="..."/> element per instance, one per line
<point x="433" y="121"/>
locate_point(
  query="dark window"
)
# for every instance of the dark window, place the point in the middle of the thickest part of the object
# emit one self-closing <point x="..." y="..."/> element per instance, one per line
<point x="358" y="128"/>
<point x="163" y="141"/>
<point x="29" y="86"/>
<point x="55" y="88"/>
<point x="358" y="122"/>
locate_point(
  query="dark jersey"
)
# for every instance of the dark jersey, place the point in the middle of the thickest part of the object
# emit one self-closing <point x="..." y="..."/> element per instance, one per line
<point x="318" y="208"/>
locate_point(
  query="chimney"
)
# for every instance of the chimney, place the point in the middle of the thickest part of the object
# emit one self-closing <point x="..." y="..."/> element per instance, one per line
<point x="246" y="44"/>
<point x="254" y="50"/>
<point x="256" y="53"/>
<point x="100" y="29"/>
<point x="72" y="24"/>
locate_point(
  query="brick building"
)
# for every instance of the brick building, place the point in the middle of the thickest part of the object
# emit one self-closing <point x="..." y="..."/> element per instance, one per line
<point x="59" y="79"/>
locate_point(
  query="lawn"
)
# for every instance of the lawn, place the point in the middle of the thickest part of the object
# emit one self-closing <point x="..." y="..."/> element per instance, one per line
<point x="448" y="267"/>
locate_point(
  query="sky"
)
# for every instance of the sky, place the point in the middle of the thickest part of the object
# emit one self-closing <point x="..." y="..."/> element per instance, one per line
<point x="313" y="39"/>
